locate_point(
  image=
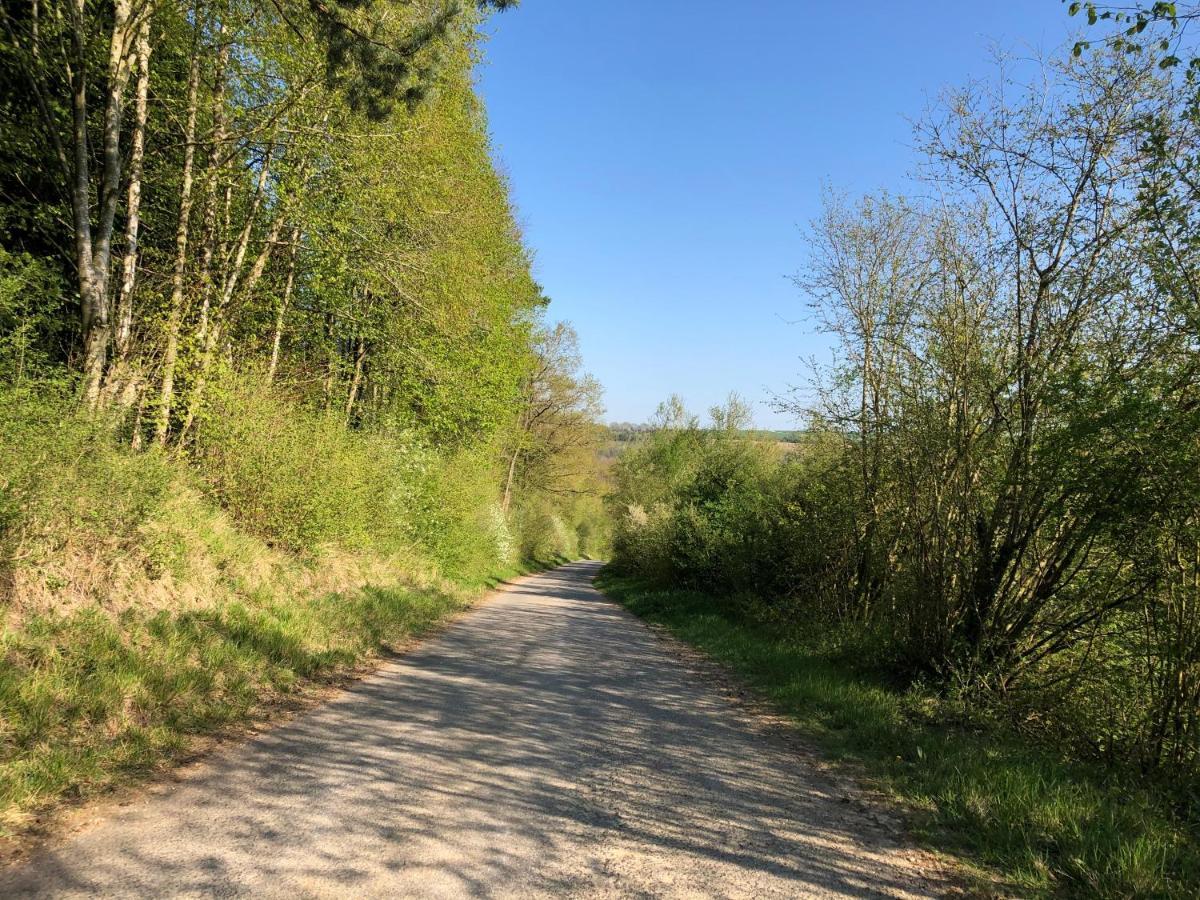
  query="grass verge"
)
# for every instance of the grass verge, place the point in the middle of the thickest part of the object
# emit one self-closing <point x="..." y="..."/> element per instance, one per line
<point x="1033" y="824"/>
<point x="90" y="700"/>
<point x="148" y="599"/>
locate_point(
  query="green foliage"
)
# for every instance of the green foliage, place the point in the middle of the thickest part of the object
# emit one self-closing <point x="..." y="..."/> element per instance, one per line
<point x="456" y="516"/>
<point x="714" y="507"/>
<point x="374" y="67"/>
<point x="546" y="532"/>
<point x="439" y="302"/>
<point x="298" y="478"/>
<point x="60" y="473"/>
<point x="331" y="308"/>
<point x="32" y="307"/>
<point x="1153" y="29"/>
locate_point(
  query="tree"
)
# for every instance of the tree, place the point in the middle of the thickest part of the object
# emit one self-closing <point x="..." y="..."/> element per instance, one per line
<point x="79" y="59"/>
<point x="554" y="445"/>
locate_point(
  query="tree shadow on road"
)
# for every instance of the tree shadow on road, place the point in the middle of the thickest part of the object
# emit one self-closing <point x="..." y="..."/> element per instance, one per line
<point x="544" y="744"/>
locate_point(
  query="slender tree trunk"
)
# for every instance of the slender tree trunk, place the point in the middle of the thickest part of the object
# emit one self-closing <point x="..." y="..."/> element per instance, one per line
<point x="331" y="360"/>
<point x="523" y="426"/>
<point x="94" y="318"/>
<point x="175" y="315"/>
<point x="217" y="165"/>
<point x="508" y="482"/>
<point x="360" y="358"/>
<point x="137" y="149"/>
<point x="212" y="333"/>
<point x="264" y="255"/>
<point x="277" y="341"/>
<point x="95" y="269"/>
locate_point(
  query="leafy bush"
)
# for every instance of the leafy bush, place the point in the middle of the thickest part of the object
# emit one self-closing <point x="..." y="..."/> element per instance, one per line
<point x="300" y="479"/>
<point x="454" y="517"/>
<point x="61" y="473"/>
<point x="714" y="508"/>
<point x="542" y="534"/>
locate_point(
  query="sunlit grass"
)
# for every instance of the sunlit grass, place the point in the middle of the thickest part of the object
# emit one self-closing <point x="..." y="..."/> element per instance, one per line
<point x="1035" y="823"/>
<point x="87" y="701"/>
<point x="136" y="613"/>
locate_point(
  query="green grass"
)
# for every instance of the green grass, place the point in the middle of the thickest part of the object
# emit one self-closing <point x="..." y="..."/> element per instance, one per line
<point x="1031" y="823"/>
<point x="89" y="701"/>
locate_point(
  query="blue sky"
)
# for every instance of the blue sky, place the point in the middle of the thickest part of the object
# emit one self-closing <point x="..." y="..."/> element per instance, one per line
<point x="664" y="156"/>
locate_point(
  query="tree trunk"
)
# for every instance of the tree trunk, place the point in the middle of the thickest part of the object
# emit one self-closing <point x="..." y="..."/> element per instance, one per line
<point x="331" y="362"/>
<point x="360" y="358"/>
<point x="264" y="256"/>
<point x="162" y="424"/>
<point x="216" y="164"/>
<point x="92" y="241"/>
<point x="94" y="248"/>
<point x="124" y="316"/>
<point x="508" y="482"/>
<point x="94" y="318"/>
<point x="277" y="342"/>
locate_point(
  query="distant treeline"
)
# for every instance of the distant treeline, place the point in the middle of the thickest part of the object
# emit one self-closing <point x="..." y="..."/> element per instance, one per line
<point x="626" y="432"/>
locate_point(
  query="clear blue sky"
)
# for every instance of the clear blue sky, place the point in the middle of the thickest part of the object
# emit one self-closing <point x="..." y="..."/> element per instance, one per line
<point x="664" y="155"/>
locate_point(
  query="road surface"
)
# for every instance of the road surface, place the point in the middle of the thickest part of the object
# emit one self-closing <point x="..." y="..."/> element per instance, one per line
<point x="546" y="744"/>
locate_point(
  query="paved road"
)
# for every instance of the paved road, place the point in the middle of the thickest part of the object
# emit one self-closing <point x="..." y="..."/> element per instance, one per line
<point x="546" y="744"/>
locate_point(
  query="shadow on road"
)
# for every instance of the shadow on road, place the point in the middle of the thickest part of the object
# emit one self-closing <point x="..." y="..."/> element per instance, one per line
<point x="544" y="744"/>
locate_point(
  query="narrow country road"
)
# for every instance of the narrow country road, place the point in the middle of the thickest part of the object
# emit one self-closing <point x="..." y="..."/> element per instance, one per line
<point x="546" y="744"/>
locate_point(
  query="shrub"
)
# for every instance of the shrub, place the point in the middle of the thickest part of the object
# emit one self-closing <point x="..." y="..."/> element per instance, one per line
<point x="297" y="477"/>
<point x="61" y="473"/>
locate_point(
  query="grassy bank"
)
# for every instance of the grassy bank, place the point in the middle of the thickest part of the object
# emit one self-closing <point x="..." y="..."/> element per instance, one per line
<point x="90" y="700"/>
<point x="1035" y="825"/>
<point x="150" y="598"/>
